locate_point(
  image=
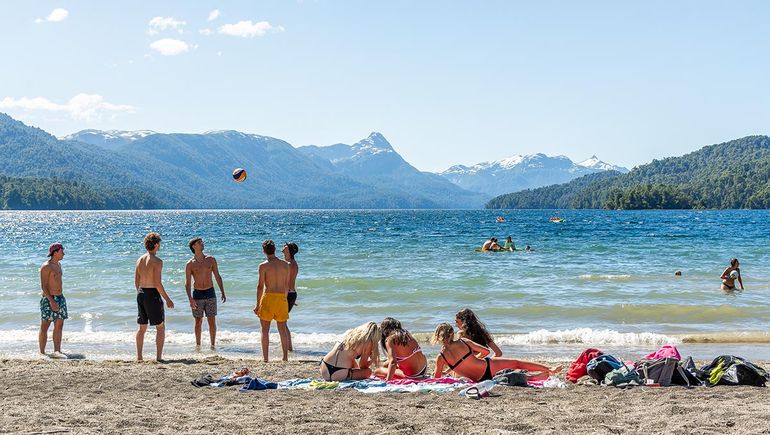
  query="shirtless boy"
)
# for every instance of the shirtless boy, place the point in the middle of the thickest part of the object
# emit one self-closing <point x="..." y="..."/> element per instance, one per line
<point x="149" y="288"/>
<point x="290" y="249"/>
<point x="272" y="303"/>
<point x="53" y="306"/>
<point x="203" y="299"/>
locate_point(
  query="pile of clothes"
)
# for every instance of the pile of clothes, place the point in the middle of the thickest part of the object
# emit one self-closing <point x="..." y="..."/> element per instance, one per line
<point x="663" y="368"/>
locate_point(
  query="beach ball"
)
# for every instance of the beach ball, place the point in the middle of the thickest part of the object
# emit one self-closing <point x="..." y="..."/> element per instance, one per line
<point x="239" y="175"/>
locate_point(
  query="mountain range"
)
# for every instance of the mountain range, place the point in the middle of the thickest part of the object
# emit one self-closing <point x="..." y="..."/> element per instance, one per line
<point x="157" y="170"/>
<point x="523" y="172"/>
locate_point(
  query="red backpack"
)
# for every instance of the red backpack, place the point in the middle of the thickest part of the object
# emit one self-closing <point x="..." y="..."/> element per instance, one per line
<point x="578" y="368"/>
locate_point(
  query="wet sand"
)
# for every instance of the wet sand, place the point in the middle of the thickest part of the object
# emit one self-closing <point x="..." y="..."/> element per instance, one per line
<point x="46" y="396"/>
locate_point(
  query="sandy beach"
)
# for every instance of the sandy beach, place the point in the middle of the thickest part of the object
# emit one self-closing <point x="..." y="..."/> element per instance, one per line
<point x="125" y="397"/>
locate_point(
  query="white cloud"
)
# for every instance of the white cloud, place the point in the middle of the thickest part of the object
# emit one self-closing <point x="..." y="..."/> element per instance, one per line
<point x="170" y="47"/>
<point x="247" y="29"/>
<point x="205" y="32"/>
<point x="219" y="53"/>
<point x="158" y="24"/>
<point x="85" y="107"/>
<point x="213" y="15"/>
<point x="55" y="16"/>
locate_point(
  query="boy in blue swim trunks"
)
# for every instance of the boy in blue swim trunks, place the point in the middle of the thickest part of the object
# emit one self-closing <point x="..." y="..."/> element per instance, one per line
<point x="53" y="305"/>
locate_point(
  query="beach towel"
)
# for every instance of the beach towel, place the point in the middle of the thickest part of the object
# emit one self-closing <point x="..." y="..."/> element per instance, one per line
<point x="666" y="351"/>
<point x="375" y="385"/>
<point x="259" y="384"/>
<point x="578" y="368"/>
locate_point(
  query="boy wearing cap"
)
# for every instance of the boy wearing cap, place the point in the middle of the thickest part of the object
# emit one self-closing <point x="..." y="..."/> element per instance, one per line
<point x="53" y="305"/>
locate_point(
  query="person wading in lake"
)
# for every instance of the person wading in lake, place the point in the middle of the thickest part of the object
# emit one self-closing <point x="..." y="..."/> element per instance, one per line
<point x="272" y="298"/>
<point x="290" y="249"/>
<point x="149" y="291"/>
<point x="203" y="298"/>
<point x="728" y="277"/>
<point x="53" y="305"/>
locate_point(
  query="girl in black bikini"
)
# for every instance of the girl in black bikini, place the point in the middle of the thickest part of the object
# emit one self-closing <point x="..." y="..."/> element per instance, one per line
<point x="357" y="344"/>
<point x="728" y="281"/>
<point x="405" y="357"/>
<point x="461" y="356"/>
<point x="471" y="328"/>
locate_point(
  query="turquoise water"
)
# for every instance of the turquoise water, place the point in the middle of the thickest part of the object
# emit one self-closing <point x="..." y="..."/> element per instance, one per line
<point x="602" y="277"/>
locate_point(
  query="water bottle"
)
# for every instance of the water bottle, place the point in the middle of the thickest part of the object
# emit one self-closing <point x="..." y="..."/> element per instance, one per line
<point x="485" y="387"/>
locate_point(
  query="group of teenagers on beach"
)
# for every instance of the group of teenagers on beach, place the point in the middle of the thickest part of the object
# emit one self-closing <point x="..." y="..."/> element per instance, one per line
<point x="276" y="294"/>
<point x="471" y="353"/>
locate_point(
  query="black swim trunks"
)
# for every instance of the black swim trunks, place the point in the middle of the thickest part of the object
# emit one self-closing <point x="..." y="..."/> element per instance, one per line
<point x="150" y="307"/>
<point x="292" y="297"/>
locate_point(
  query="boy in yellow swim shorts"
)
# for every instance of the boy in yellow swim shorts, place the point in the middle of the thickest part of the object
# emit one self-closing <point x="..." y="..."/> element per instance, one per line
<point x="272" y="303"/>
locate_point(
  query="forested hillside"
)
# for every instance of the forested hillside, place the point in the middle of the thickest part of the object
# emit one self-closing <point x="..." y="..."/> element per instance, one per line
<point x="733" y="174"/>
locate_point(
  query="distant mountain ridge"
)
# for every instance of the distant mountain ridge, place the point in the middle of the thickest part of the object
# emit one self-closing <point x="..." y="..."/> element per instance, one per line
<point x="110" y="139"/>
<point x="730" y="175"/>
<point x="521" y="172"/>
<point x="193" y="170"/>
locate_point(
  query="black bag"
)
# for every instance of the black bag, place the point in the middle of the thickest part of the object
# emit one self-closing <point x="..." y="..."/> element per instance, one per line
<point x="686" y="374"/>
<point x="512" y="378"/>
<point x="733" y="370"/>
<point x="659" y="371"/>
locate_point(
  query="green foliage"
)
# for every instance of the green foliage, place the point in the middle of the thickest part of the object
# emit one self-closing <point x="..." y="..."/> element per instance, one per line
<point x="55" y="194"/>
<point x="730" y="175"/>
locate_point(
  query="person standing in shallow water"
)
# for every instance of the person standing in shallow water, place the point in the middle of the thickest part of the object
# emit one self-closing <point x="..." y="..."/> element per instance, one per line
<point x="53" y="305"/>
<point x="290" y="249"/>
<point x="272" y="298"/>
<point x="203" y="298"/>
<point x="149" y="291"/>
<point x="728" y="277"/>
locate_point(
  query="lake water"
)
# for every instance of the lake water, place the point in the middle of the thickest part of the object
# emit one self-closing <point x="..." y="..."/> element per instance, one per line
<point x="601" y="278"/>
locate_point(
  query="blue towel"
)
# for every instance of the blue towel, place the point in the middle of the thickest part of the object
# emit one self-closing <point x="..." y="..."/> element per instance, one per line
<point x="259" y="384"/>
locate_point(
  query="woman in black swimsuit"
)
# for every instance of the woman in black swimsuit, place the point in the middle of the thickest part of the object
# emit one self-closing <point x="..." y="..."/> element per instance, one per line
<point x="728" y="278"/>
<point x="471" y="328"/>
<point x="354" y="355"/>
<point x="461" y="356"/>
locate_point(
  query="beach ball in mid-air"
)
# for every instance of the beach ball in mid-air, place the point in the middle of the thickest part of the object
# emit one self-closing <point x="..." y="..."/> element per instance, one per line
<point x="239" y="175"/>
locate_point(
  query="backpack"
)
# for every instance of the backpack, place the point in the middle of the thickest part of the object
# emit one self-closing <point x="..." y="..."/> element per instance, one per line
<point x="578" y="368"/>
<point x="623" y="377"/>
<point x="733" y="370"/>
<point x="598" y="367"/>
<point x="659" y="371"/>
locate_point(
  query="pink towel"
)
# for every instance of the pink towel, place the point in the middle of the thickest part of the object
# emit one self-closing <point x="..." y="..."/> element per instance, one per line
<point x="666" y="351"/>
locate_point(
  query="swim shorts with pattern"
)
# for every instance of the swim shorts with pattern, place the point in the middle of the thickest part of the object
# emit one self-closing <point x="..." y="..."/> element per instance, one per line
<point x="46" y="313"/>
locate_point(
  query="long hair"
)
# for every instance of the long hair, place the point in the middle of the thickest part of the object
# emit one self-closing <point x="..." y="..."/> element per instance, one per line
<point x="444" y="334"/>
<point x="360" y="336"/>
<point x="472" y="328"/>
<point x="391" y="326"/>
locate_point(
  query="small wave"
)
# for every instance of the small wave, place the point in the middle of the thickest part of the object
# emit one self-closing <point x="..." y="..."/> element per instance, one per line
<point x="589" y="277"/>
<point x="172" y="337"/>
<point x="586" y="336"/>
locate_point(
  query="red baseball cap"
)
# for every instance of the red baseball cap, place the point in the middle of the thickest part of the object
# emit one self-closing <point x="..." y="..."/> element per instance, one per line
<point x="54" y="247"/>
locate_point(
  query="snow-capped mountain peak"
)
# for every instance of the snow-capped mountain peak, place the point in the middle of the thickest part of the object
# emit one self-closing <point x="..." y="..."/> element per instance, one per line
<point x="108" y="135"/>
<point x="593" y="162"/>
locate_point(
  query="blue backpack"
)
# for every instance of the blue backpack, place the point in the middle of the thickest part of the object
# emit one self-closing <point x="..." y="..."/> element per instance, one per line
<point x="598" y="367"/>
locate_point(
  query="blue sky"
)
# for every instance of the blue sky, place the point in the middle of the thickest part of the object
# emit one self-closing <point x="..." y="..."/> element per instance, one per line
<point x="445" y="82"/>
